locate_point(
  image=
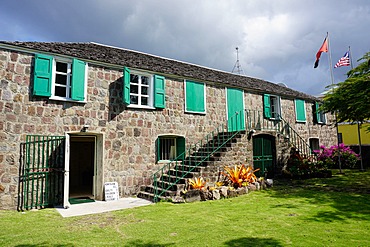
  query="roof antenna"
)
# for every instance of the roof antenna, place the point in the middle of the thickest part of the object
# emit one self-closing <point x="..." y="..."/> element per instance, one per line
<point x="237" y="67"/>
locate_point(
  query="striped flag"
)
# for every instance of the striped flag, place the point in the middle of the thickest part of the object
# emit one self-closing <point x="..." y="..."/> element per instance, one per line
<point x="323" y="48"/>
<point x="343" y="61"/>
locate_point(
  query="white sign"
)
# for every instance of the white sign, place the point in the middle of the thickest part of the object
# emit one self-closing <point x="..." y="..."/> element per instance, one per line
<point x="111" y="191"/>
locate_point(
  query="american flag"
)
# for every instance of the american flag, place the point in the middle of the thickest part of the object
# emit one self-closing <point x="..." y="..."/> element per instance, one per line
<point x="343" y="61"/>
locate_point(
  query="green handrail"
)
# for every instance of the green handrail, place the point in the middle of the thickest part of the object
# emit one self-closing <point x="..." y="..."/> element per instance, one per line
<point x="210" y="144"/>
<point x="217" y="139"/>
<point x="296" y="140"/>
<point x="256" y="121"/>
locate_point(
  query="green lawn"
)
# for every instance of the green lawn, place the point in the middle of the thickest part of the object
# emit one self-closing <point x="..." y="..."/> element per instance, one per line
<point x="314" y="212"/>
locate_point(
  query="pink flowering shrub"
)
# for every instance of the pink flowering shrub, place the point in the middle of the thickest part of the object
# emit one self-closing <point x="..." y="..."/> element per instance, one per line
<point x="329" y="156"/>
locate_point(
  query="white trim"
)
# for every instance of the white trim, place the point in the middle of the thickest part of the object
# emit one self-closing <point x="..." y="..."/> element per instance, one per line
<point x="354" y="122"/>
<point x="151" y="94"/>
<point x="68" y="98"/>
<point x="66" y="203"/>
<point x="85" y="83"/>
<point x="227" y="106"/>
<point x="170" y="135"/>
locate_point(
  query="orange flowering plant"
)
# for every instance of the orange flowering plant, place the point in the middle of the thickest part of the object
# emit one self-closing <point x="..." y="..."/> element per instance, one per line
<point x="240" y="175"/>
<point x="197" y="183"/>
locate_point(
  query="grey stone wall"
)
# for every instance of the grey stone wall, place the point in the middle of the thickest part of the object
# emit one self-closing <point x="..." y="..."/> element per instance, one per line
<point x="129" y="133"/>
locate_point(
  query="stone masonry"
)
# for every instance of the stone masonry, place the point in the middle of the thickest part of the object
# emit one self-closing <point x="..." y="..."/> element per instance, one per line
<point x="129" y="133"/>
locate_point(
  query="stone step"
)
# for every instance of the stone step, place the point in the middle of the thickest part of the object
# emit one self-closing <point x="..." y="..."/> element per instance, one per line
<point x="149" y="196"/>
<point x="192" y="166"/>
<point x="150" y="189"/>
<point x="173" y="179"/>
<point x="188" y="167"/>
<point x="204" y="163"/>
<point x="185" y="174"/>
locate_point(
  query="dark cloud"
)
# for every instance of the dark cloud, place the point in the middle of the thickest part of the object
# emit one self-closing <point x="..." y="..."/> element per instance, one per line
<point x="278" y="39"/>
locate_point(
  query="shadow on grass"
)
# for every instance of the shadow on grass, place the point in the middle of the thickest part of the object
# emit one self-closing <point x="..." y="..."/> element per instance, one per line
<point x="241" y="242"/>
<point x="44" y="245"/>
<point x="140" y="243"/>
<point x="348" y="195"/>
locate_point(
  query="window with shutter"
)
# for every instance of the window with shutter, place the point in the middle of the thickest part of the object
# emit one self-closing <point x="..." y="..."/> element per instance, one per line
<point x="170" y="147"/>
<point x="319" y="116"/>
<point x="143" y="90"/>
<point x="195" y="97"/>
<point x="271" y="107"/>
<point x="59" y="78"/>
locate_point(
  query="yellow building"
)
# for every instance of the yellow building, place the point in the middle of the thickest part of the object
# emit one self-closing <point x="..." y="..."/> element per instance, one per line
<point x="350" y="135"/>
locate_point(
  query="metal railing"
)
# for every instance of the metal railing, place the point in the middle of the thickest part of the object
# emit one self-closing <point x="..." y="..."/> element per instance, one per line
<point x="167" y="177"/>
<point x="296" y="140"/>
<point x="41" y="171"/>
<point x="194" y="156"/>
<point x="256" y="121"/>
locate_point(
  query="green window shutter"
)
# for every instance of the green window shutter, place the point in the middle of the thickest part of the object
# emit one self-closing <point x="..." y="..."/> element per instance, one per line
<point x="159" y="91"/>
<point x="126" y="86"/>
<point x="78" y="80"/>
<point x="43" y="71"/>
<point x="195" y="100"/>
<point x="317" y="112"/>
<point x="266" y="106"/>
<point x="300" y="110"/>
<point x="180" y="147"/>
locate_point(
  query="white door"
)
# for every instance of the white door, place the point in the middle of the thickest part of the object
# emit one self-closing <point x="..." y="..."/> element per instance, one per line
<point x="66" y="203"/>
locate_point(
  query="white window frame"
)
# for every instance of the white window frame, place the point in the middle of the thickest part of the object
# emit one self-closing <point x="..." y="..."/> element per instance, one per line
<point x="275" y="104"/>
<point x="69" y="79"/>
<point x="139" y="85"/>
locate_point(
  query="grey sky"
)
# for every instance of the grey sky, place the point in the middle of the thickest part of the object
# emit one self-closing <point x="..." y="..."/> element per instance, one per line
<point x="277" y="39"/>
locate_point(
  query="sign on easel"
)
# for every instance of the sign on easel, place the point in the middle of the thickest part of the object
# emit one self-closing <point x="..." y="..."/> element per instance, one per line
<point x="111" y="191"/>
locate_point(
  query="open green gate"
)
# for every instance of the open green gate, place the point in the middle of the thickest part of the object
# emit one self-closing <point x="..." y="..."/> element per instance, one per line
<point x="264" y="155"/>
<point x="41" y="173"/>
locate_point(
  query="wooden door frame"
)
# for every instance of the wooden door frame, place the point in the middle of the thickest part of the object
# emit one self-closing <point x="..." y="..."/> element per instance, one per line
<point x="98" y="180"/>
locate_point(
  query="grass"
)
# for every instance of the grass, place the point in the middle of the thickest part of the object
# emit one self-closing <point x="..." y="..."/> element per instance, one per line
<point x="314" y="212"/>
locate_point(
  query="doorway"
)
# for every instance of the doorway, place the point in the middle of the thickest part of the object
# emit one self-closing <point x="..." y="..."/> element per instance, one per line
<point x="264" y="155"/>
<point x="81" y="167"/>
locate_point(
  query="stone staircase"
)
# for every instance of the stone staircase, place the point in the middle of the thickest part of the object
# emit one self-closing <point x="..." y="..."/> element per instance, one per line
<point x="174" y="178"/>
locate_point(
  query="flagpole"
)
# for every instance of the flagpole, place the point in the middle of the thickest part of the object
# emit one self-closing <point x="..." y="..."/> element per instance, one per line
<point x="350" y="56"/>
<point x="330" y="62"/>
<point x="335" y="114"/>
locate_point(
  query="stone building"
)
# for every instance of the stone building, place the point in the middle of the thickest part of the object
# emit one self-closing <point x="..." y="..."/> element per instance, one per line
<point x="77" y="115"/>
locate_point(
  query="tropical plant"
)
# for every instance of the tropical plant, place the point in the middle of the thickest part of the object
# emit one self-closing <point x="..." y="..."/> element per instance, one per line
<point x="329" y="156"/>
<point x="197" y="183"/>
<point x="350" y="100"/>
<point x="239" y="175"/>
<point x="301" y="166"/>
